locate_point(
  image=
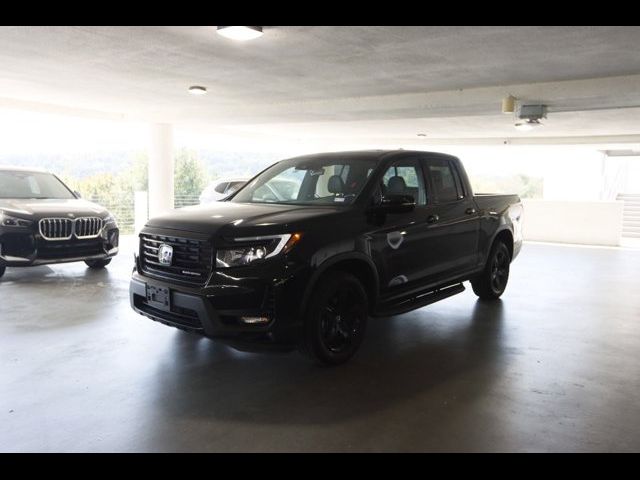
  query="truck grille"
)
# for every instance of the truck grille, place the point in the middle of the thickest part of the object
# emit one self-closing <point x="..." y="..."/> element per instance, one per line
<point x="191" y="261"/>
<point x="65" y="228"/>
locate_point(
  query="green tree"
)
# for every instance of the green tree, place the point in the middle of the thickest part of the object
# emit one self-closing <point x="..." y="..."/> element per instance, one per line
<point x="115" y="192"/>
<point x="140" y="172"/>
<point x="190" y="177"/>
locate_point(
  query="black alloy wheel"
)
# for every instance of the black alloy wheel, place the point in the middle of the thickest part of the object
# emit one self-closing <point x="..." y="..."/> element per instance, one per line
<point x="341" y="320"/>
<point x="97" y="264"/>
<point x="500" y="270"/>
<point x="492" y="282"/>
<point x="336" y="319"/>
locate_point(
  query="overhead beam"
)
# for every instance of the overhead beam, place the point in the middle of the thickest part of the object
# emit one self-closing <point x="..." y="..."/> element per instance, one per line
<point x="55" y="109"/>
<point x="573" y="95"/>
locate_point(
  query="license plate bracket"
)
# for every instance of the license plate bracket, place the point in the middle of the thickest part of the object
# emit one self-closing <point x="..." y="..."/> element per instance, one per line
<point x="159" y="297"/>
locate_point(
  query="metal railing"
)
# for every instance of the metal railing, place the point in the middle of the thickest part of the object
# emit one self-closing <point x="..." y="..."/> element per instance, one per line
<point x="185" y="201"/>
<point x="122" y="209"/>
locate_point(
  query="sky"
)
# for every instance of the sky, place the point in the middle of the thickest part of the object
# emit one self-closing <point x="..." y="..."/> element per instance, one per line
<point x="26" y="132"/>
<point x="29" y="132"/>
<point x="32" y="132"/>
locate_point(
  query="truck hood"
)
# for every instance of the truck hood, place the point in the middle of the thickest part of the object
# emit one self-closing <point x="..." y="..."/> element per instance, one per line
<point x="35" y="209"/>
<point x="230" y="219"/>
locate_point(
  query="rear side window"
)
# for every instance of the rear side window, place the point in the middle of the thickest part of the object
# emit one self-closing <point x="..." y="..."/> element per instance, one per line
<point x="443" y="180"/>
<point x="459" y="186"/>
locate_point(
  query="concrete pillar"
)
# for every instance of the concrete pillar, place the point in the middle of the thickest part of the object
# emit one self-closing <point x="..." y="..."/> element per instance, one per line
<point x="161" y="169"/>
<point x="141" y="210"/>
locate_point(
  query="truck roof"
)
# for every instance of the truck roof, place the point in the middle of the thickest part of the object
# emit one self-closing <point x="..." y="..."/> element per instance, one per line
<point x="379" y="154"/>
<point x="10" y="168"/>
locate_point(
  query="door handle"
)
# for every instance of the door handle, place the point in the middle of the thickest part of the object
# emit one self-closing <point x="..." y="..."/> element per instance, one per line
<point x="470" y="211"/>
<point x="433" y="218"/>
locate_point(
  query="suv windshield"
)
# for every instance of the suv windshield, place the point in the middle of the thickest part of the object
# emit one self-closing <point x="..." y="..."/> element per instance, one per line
<point x="14" y="184"/>
<point x="327" y="180"/>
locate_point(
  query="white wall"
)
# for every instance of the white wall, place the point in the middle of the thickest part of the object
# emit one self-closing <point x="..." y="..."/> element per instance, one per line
<point x="631" y="182"/>
<point x="581" y="222"/>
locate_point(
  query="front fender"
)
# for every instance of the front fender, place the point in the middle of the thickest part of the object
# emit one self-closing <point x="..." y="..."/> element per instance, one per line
<point x="345" y="258"/>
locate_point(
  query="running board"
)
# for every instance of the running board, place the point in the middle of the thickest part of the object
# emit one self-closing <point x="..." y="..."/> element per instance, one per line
<point x="418" y="301"/>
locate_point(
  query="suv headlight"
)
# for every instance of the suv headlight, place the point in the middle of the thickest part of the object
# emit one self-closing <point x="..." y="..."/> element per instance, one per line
<point x="109" y="219"/>
<point x="9" y="221"/>
<point x="255" y="249"/>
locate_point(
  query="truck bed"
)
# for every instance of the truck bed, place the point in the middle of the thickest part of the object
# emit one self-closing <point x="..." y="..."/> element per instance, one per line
<point x="496" y="202"/>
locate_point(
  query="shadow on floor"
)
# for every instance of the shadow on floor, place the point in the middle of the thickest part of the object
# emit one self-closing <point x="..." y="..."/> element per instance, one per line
<point x="401" y="358"/>
<point x="44" y="274"/>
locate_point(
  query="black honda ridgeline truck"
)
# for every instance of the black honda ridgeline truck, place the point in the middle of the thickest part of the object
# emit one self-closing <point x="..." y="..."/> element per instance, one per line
<point x="313" y="245"/>
<point x="42" y="221"/>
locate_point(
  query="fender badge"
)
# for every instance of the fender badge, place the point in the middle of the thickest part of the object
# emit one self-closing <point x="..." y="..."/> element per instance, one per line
<point x="395" y="239"/>
<point x="399" y="280"/>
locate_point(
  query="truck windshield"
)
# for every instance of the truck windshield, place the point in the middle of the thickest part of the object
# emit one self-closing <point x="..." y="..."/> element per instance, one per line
<point x="303" y="181"/>
<point x="15" y="184"/>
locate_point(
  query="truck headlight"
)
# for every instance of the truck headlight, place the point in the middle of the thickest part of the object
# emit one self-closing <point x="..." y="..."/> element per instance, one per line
<point x="9" y="221"/>
<point x="255" y="249"/>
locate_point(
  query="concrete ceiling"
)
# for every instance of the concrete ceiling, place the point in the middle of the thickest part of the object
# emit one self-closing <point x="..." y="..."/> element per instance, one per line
<point x="369" y="83"/>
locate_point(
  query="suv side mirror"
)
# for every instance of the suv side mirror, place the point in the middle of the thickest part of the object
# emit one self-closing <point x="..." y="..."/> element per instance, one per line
<point x="397" y="203"/>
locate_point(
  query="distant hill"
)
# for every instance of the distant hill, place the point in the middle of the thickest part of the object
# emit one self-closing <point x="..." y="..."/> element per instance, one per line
<point x="218" y="163"/>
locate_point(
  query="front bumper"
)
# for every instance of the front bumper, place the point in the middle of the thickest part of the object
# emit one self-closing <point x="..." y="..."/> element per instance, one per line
<point x="22" y="248"/>
<point x="215" y="310"/>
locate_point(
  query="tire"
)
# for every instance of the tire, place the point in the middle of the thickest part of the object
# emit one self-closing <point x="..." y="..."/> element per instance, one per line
<point x="2" y="270"/>
<point x="97" y="264"/>
<point x="335" y="320"/>
<point x="492" y="282"/>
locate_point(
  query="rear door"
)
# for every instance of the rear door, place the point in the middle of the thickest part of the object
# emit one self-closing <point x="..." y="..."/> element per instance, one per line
<point x="457" y="219"/>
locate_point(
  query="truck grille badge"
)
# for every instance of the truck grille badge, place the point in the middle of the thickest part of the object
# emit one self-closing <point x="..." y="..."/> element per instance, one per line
<point x="165" y="254"/>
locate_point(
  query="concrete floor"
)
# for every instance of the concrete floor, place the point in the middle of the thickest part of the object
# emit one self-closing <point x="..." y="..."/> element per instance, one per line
<point x="554" y="366"/>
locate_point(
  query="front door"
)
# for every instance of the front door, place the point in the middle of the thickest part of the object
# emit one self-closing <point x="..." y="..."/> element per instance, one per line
<point x="405" y="245"/>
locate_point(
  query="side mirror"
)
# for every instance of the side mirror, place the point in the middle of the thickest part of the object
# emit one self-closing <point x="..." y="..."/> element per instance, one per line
<point x="397" y="203"/>
<point x="77" y="194"/>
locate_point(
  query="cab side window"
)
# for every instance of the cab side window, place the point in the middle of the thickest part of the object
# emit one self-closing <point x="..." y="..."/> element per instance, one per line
<point x="443" y="181"/>
<point x="405" y="178"/>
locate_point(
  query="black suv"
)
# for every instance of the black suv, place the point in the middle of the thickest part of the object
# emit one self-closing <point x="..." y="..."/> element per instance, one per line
<point x="42" y="221"/>
<point x="313" y="245"/>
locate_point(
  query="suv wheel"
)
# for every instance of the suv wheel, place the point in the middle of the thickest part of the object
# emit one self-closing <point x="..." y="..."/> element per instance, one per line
<point x="97" y="264"/>
<point x="336" y="319"/>
<point x="492" y="282"/>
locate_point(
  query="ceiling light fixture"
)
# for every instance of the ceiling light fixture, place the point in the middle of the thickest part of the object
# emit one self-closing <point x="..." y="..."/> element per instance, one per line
<point x="197" y="90"/>
<point x="528" y="125"/>
<point x="240" y="33"/>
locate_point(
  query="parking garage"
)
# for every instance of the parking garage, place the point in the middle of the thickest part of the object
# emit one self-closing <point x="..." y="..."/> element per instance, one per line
<point x="550" y="366"/>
